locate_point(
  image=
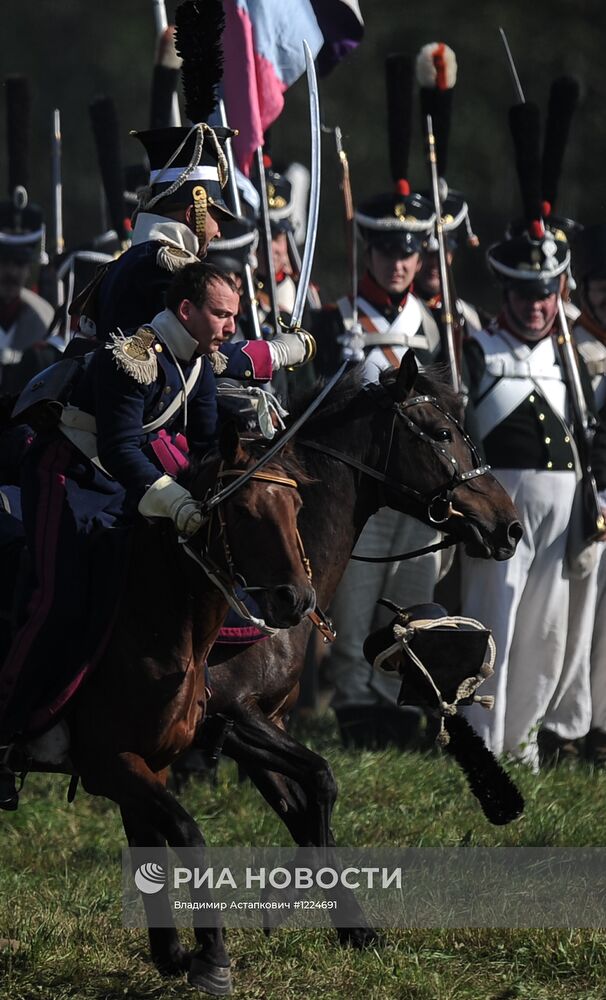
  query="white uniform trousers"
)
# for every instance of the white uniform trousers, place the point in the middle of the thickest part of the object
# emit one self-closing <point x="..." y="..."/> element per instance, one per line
<point x="524" y="600"/>
<point x="355" y="611"/>
<point x="569" y="711"/>
<point x="598" y="651"/>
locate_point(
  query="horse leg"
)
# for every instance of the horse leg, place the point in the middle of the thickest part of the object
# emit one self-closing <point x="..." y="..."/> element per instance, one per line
<point x="168" y="954"/>
<point x="262" y="747"/>
<point x="127" y="780"/>
<point x="290" y="777"/>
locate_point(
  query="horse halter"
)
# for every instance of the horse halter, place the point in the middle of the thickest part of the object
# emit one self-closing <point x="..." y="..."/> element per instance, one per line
<point x="228" y="578"/>
<point x="439" y="505"/>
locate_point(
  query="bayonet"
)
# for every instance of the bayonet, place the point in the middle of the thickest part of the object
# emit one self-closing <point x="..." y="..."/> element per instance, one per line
<point x="512" y="68"/>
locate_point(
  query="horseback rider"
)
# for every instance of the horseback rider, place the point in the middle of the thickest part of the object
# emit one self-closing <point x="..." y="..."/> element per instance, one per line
<point x="136" y="406"/>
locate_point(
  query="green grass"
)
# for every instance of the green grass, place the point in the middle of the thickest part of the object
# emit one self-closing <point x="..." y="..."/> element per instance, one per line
<point x="60" y="897"/>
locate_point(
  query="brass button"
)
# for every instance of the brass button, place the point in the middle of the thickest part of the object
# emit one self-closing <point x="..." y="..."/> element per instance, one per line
<point x="247" y="373"/>
<point x="531" y="399"/>
<point x="158" y="348"/>
<point x="566" y="440"/>
<point x="541" y="416"/>
<point x="569" y="464"/>
<point x="160" y="405"/>
<point x="168" y="389"/>
<point x="547" y="440"/>
<point x="550" y="465"/>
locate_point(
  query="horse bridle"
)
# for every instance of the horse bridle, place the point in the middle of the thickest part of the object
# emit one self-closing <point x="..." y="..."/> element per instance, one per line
<point x="438" y="506"/>
<point x="227" y="579"/>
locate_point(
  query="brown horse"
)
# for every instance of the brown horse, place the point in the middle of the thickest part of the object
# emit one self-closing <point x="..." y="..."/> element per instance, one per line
<point x="140" y="708"/>
<point x="394" y="445"/>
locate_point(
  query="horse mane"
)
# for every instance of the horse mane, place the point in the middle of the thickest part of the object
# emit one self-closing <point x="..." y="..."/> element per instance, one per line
<point x="286" y="460"/>
<point x="345" y="392"/>
<point x="433" y="380"/>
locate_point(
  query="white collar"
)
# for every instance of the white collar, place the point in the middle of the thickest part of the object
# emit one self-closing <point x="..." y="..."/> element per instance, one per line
<point x="157" y="227"/>
<point x="174" y="335"/>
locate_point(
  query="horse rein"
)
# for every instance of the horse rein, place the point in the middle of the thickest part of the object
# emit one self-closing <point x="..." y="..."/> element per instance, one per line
<point x="226" y="582"/>
<point x="438" y="507"/>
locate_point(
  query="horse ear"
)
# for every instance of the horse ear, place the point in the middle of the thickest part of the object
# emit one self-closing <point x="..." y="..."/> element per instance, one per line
<point x="406" y="376"/>
<point x="229" y="443"/>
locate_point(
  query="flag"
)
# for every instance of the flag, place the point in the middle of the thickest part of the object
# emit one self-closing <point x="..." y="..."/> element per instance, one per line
<point x="264" y="55"/>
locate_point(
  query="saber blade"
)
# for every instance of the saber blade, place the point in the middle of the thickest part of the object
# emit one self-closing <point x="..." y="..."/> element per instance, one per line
<point x="314" y="194"/>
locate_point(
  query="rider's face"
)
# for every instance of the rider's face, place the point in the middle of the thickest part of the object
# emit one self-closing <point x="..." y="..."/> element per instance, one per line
<point x="214" y="322"/>
<point x="533" y="317"/>
<point x="393" y="270"/>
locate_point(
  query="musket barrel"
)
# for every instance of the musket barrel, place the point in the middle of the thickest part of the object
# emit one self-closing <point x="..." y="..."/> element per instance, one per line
<point x="57" y="184"/>
<point x="447" y="315"/>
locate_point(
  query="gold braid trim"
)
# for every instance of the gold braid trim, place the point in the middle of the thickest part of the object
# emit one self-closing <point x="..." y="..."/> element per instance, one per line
<point x="201" y="210"/>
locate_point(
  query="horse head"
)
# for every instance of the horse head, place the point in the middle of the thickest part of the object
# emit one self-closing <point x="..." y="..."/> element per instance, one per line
<point x="433" y="469"/>
<point x="251" y="537"/>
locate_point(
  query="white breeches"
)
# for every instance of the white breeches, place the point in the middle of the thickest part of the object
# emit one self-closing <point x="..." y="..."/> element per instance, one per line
<point x="355" y="612"/>
<point x="524" y="600"/>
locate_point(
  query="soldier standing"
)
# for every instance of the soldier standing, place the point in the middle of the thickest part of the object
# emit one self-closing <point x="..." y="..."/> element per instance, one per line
<point x="392" y="226"/>
<point x="523" y="406"/>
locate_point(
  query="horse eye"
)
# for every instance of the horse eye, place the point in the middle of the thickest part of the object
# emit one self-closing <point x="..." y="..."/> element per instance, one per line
<point x="443" y="434"/>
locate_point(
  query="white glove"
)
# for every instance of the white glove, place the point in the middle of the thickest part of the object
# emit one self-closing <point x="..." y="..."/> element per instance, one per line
<point x="289" y="350"/>
<point x="166" y="498"/>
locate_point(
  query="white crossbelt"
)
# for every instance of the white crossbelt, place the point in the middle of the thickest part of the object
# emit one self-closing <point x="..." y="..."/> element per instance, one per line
<point x="405" y="331"/>
<point x="80" y="427"/>
<point x="513" y="371"/>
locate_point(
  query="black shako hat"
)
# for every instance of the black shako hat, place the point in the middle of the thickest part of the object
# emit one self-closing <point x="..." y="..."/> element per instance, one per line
<point x="395" y="221"/>
<point x="21" y="229"/>
<point x="530" y="263"/>
<point x="181" y="159"/>
<point x="280" y="202"/>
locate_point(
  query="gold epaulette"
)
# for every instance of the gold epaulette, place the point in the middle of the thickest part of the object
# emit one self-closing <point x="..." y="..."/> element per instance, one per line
<point x="172" y="258"/>
<point x="137" y="354"/>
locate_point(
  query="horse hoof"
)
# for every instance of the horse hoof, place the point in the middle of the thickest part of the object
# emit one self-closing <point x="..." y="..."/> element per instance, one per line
<point x="359" y="937"/>
<point x="175" y="964"/>
<point x="213" y="979"/>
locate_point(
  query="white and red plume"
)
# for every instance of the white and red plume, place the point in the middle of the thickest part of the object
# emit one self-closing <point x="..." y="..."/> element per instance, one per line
<point x="436" y="66"/>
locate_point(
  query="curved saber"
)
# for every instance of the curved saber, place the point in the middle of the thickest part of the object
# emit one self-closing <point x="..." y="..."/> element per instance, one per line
<point x="314" y="194"/>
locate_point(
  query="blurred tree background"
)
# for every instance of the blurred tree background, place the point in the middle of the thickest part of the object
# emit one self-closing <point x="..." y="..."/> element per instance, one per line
<point x="75" y="50"/>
